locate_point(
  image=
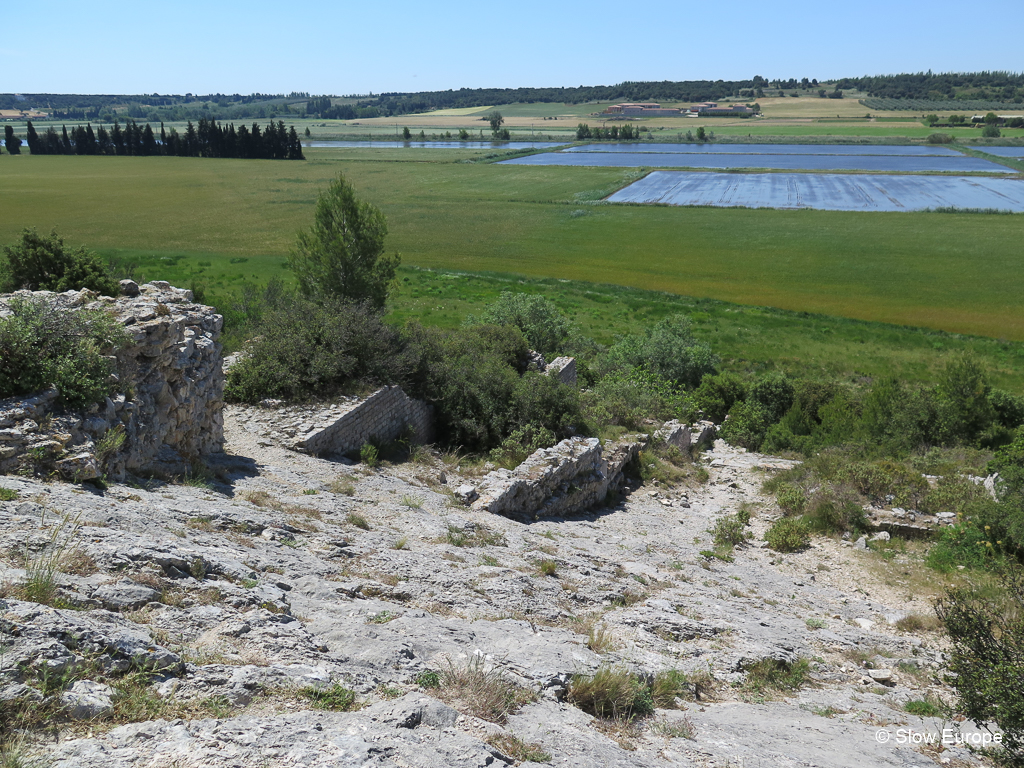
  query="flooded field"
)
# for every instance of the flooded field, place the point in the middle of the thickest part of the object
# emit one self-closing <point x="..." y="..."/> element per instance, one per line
<point x="1002" y="151"/>
<point x="770" y="149"/>
<point x="722" y="160"/>
<point x="829" y="192"/>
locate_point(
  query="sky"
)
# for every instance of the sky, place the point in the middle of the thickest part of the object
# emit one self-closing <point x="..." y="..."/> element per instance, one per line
<point x="345" y="47"/>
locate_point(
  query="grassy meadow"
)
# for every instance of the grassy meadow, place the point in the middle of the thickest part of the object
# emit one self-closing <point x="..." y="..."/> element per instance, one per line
<point x="222" y="223"/>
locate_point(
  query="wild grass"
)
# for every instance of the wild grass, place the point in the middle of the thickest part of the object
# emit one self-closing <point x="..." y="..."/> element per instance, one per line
<point x="772" y="677"/>
<point x="334" y="697"/>
<point x="485" y="693"/>
<point x="42" y="569"/>
<point x="517" y="749"/>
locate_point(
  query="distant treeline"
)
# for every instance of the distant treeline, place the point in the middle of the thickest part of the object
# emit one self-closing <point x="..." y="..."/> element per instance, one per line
<point x="208" y="139"/>
<point x="155" y="108"/>
<point x="977" y="86"/>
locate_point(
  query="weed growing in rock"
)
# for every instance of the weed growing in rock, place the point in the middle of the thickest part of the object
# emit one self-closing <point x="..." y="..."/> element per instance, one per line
<point x="815" y="623"/>
<point x="356" y="519"/>
<point x="369" y="455"/>
<point x="485" y="693"/>
<point x="547" y="567"/>
<point x="428" y="680"/>
<point x="683" y="728"/>
<point x="40" y="584"/>
<point x="518" y="750"/>
<point x="382" y="618"/>
<point x="412" y="502"/>
<point x="342" y="486"/>
<point x="8" y="494"/>
<point x="915" y="622"/>
<point x="773" y="676"/>
<point x="334" y="697"/>
<point x="730" y="531"/>
<point x="928" y="707"/>
<point x="489" y="560"/>
<point x="612" y="693"/>
<point x="400" y="543"/>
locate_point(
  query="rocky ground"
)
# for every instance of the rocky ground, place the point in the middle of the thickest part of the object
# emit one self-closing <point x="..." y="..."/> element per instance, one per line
<point x="287" y="573"/>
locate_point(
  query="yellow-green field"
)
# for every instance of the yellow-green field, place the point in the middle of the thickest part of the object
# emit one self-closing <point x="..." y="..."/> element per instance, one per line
<point x="956" y="272"/>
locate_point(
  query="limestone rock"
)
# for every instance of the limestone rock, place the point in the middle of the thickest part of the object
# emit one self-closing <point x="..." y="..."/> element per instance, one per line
<point x="86" y="700"/>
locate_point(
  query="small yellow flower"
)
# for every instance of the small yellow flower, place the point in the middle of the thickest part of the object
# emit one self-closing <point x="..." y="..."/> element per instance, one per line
<point x="988" y="527"/>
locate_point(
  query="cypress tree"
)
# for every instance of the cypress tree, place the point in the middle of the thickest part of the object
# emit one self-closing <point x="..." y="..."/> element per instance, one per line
<point x="12" y="142"/>
<point x="103" y="146"/>
<point x="66" y="147"/>
<point x="117" y="139"/>
<point x="34" y="145"/>
<point x="149" y="146"/>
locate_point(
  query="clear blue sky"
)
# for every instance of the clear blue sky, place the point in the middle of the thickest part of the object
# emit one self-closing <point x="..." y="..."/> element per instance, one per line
<point x="347" y="47"/>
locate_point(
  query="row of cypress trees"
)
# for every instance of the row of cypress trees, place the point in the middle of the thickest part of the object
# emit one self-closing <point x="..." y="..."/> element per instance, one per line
<point x="208" y="139"/>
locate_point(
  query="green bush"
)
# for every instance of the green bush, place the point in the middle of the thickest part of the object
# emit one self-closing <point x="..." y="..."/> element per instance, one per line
<point x="791" y="499"/>
<point x="717" y="394"/>
<point x="546" y="329"/>
<point x="307" y="349"/>
<point x="41" y="263"/>
<point x="788" y="534"/>
<point x="631" y="397"/>
<point x="472" y="377"/>
<point x="746" y="426"/>
<point x="987" y="659"/>
<point x="42" y="345"/>
<point x="730" y="531"/>
<point x="774" y="392"/>
<point x="668" y="349"/>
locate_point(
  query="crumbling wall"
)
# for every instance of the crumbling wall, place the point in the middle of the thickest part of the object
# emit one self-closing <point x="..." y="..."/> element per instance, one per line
<point x="564" y="369"/>
<point x="343" y="426"/>
<point x="169" y="409"/>
<point x="571" y="477"/>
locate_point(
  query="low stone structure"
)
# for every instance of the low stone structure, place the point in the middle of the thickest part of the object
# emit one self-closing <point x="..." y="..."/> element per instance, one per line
<point x="573" y="476"/>
<point x="564" y="368"/>
<point x="172" y="370"/>
<point x="342" y="426"/>
<point x="682" y="435"/>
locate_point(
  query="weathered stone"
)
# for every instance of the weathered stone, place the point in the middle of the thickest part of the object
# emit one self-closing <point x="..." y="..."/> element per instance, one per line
<point x="124" y="595"/>
<point x="129" y="288"/>
<point x="674" y="433"/>
<point x="466" y="494"/>
<point x="79" y="467"/>
<point x="86" y="700"/>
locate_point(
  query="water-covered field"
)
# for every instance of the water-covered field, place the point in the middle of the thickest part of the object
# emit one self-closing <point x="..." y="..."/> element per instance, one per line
<point x="915" y="150"/>
<point x="722" y="159"/>
<point x="1002" y="151"/>
<point x="829" y="192"/>
<point x="434" y="144"/>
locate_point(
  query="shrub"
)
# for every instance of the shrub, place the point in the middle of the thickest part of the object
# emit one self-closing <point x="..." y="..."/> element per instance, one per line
<point x="991" y="132"/>
<point x="42" y="345"/>
<point x="717" y="394"/>
<point x="306" y="349"/>
<point x="788" y="534"/>
<point x="632" y="396"/>
<point x="546" y="329"/>
<point x="730" y="530"/>
<point x="775" y="393"/>
<point x="940" y="138"/>
<point x="746" y="425"/>
<point x="472" y="377"/>
<point x="668" y="349"/>
<point x="41" y="263"/>
<point x="791" y="499"/>
<point x="987" y="658"/>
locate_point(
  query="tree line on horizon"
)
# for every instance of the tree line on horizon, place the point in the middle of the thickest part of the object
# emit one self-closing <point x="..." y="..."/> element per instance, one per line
<point x="208" y="139"/>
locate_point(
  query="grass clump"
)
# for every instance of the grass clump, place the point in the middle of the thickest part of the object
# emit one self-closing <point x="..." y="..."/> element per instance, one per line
<point x="41" y="584"/>
<point x="335" y="697"/>
<point x="773" y="676"/>
<point x="547" y="567"/>
<point x="485" y="693"/>
<point x="612" y="693"/>
<point x="8" y="494"/>
<point x="356" y="519"/>
<point x="928" y="707"/>
<point x="518" y="750"/>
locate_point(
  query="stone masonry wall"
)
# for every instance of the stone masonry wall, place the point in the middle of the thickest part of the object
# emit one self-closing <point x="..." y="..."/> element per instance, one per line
<point x="567" y="478"/>
<point x="343" y="426"/>
<point x="171" y="403"/>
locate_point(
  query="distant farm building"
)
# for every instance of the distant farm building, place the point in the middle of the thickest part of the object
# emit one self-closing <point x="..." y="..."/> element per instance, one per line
<point x="711" y="109"/>
<point x="642" y="109"/>
<point x="17" y="114"/>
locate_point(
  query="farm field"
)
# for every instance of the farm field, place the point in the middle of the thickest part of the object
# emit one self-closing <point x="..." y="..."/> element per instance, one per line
<point x="830" y="192"/>
<point x="955" y="272"/>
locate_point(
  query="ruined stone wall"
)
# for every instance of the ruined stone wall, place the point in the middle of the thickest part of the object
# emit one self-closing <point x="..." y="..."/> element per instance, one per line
<point x="343" y="426"/>
<point x="573" y="476"/>
<point x="171" y="393"/>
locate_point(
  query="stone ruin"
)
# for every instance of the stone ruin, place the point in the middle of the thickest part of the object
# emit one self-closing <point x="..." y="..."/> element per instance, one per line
<point x="173" y="371"/>
<point x="343" y="426"/>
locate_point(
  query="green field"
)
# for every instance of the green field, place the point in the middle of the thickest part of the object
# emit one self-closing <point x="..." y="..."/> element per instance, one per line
<point x="957" y="272"/>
